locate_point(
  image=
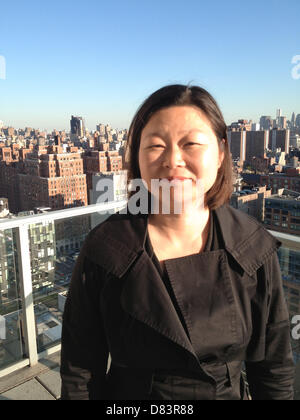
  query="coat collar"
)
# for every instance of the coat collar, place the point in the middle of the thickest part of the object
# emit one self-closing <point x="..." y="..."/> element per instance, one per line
<point x="118" y="242"/>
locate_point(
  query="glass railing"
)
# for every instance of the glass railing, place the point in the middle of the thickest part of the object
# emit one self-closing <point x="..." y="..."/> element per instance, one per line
<point x="12" y="346"/>
<point x="37" y="256"/>
<point x="289" y="259"/>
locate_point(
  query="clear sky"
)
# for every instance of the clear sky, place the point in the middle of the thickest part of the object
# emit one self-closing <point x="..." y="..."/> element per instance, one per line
<point x="100" y="59"/>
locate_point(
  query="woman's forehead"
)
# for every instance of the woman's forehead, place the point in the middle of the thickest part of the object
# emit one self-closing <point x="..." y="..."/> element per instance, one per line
<point x="180" y="119"/>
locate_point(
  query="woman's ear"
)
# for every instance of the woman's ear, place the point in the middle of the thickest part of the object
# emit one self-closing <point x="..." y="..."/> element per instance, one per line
<point x="221" y="153"/>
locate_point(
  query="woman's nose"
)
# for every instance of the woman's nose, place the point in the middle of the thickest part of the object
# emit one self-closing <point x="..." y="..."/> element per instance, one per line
<point x="173" y="158"/>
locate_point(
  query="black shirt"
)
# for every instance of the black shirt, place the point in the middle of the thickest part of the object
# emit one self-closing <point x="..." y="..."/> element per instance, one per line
<point x="212" y="244"/>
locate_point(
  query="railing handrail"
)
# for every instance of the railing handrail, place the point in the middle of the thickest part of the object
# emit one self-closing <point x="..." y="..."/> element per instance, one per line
<point x="94" y="208"/>
<point x="59" y="214"/>
<point x="285" y="236"/>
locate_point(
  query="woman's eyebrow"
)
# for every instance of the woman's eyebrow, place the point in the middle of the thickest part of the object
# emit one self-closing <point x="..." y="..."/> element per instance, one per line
<point x="154" y="134"/>
<point x="186" y="132"/>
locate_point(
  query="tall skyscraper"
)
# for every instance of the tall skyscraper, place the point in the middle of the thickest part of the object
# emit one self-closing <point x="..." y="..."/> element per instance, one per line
<point x="237" y="142"/>
<point x="282" y="122"/>
<point x="266" y="122"/>
<point x="278" y="115"/>
<point x="279" y="138"/>
<point x="293" y="119"/>
<point x="256" y="144"/>
<point x="101" y="128"/>
<point x="247" y="144"/>
<point x="77" y="127"/>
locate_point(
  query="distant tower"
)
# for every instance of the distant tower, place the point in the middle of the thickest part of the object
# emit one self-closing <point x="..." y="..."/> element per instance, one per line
<point x="293" y="119"/>
<point x="266" y="122"/>
<point x="278" y="115"/>
<point x="77" y="127"/>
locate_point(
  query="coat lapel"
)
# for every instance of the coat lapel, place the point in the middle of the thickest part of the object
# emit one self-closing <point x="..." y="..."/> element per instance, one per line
<point x="245" y="238"/>
<point x="146" y="299"/>
<point x="203" y="290"/>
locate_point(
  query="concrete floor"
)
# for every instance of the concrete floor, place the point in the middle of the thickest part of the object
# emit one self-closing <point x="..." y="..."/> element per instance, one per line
<point x="41" y="382"/>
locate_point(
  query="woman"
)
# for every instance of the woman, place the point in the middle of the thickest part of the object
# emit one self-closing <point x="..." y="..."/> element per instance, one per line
<point x="181" y="300"/>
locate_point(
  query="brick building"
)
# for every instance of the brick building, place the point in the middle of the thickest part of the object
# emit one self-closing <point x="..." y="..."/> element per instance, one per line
<point x="100" y="162"/>
<point x="53" y="179"/>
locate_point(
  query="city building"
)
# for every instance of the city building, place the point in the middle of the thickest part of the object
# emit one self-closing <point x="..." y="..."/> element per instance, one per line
<point x="52" y="179"/>
<point x="247" y="144"/>
<point x="96" y="162"/>
<point x="69" y="236"/>
<point x="276" y="181"/>
<point x="279" y="138"/>
<point x="256" y="144"/>
<point x="283" y="211"/>
<point x="118" y="182"/>
<point x="251" y="201"/>
<point x="282" y="122"/>
<point x="266" y="122"/>
<point x="42" y="249"/>
<point x="293" y="120"/>
<point x="8" y="261"/>
<point x="77" y="127"/>
<point x="4" y="209"/>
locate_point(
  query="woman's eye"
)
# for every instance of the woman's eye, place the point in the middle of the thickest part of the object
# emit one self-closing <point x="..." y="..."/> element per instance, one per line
<point x="156" y="145"/>
<point x="196" y="144"/>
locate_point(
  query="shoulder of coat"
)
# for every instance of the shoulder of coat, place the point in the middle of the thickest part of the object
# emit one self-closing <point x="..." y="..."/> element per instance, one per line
<point x="115" y="242"/>
<point x="242" y="222"/>
<point x="248" y="241"/>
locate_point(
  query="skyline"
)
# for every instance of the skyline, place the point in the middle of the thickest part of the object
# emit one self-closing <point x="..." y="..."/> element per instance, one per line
<point x="92" y="129"/>
<point x="102" y="60"/>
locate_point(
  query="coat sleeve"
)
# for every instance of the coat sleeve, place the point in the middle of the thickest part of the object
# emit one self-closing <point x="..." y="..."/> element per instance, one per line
<point x="84" y="351"/>
<point x="273" y="377"/>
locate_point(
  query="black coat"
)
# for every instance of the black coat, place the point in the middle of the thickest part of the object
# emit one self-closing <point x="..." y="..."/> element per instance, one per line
<point x="235" y="312"/>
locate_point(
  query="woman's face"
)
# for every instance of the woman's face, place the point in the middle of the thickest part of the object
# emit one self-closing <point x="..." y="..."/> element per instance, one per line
<point x="179" y="142"/>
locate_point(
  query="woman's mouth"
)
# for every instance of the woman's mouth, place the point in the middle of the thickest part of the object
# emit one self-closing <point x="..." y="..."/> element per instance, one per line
<point x="175" y="178"/>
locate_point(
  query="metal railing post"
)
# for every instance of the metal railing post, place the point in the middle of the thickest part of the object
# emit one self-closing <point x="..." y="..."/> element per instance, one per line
<point x="26" y="293"/>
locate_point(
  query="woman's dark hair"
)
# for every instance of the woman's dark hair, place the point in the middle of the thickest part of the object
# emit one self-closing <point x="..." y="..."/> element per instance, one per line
<point x="183" y="95"/>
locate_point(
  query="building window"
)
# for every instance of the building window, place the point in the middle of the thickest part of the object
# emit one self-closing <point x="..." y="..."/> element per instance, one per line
<point x="294" y="309"/>
<point x="294" y="292"/>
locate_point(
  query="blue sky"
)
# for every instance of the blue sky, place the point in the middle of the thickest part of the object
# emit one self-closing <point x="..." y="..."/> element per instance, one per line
<point x="101" y="59"/>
